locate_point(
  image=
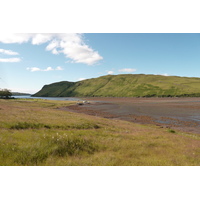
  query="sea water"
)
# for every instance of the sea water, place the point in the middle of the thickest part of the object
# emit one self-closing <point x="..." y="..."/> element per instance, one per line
<point x="49" y="98"/>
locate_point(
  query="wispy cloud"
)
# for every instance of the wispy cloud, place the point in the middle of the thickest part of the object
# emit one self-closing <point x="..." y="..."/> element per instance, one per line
<point x="110" y="72"/>
<point x="15" y="37"/>
<point x="11" y="60"/>
<point x="129" y="70"/>
<point x="48" y="69"/>
<point x="59" y="68"/>
<point x="72" y="45"/>
<point x="81" y="79"/>
<point x="33" y="69"/>
<point x="36" y="69"/>
<point x="8" y="52"/>
<point x="165" y="74"/>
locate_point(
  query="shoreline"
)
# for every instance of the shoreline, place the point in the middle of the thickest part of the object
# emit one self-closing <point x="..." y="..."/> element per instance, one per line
<point x="181" y="114"/>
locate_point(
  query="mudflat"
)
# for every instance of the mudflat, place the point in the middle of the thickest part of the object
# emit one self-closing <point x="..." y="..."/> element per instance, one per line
<point x="175" y="113"/>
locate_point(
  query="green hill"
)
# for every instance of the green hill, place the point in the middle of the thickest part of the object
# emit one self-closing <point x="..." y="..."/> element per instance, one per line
<point x="128" y="85"/>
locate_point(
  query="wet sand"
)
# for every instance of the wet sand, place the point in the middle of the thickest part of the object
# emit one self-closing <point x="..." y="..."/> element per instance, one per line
<point x="175" y="113"/>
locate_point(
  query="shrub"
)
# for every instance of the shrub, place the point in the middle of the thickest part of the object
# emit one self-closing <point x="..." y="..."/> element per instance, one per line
<point x="171" y="131"/>
<point x="59" y="145"/>
<point x="72" y="146"/>
<point x="27" y="125"/>
<point x="5" y="93"/>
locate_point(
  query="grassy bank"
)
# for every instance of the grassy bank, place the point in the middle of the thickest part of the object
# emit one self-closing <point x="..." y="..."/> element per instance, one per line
<point x="36" y="132"/>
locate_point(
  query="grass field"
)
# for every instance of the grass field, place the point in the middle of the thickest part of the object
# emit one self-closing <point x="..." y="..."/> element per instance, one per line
<point x="36" y="132"/>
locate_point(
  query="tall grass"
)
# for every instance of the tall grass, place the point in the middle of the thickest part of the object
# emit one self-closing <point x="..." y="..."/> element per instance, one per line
<point x="37" y="151"/>
<point x="32" y="133"/>
<point x="28" y="125"/>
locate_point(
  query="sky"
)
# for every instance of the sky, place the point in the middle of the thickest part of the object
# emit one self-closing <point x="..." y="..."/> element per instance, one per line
<point x="30" y="61"/>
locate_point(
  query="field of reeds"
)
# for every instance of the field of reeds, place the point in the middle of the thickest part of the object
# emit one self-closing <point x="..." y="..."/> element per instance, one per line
<point x="37" y="133"/>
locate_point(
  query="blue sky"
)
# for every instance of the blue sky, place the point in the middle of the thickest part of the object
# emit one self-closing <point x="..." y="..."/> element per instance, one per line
<point x="29" y="61"/>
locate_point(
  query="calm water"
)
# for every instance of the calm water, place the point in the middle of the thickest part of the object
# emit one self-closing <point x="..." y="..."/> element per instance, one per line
<point x="49" y="98"/>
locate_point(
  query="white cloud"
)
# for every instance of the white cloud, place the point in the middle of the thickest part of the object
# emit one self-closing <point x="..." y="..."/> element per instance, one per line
<point x="165" y="74"/>
<point x="110" y="72"/>
<point x="52" y="45"/>
<point x="15" y="37"/>
<point x="79" y="52"/>
<point x="127" y="70"/>
<point x="48" y="69"/>
<point x="71" y="45"/>
<point x="35" y="69"/>
<point x="55" y="52"/>
<point x="59" y="68"/>
<point x="81" y="79"/>
<point x="10" y="60"/>
<point x="41" y="38"/>
<point x="8" y="52"/>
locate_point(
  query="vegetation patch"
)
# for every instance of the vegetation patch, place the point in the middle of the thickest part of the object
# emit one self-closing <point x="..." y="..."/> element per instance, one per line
<point x="29" y="125"/>
<point x="84" y="126"/>
<point x="5" y="94"/>
<point x="61" y="146"/>
<point x="171" y="131"/>
<point x="72" y="145"/>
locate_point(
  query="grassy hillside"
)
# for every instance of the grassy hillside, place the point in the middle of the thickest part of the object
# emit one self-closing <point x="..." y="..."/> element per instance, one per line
<point x="129" y="85"/>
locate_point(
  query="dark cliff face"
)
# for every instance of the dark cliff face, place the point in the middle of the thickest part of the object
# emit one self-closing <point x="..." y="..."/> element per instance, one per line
<point x="54" y="89"/>
<point x="128" y="85"/>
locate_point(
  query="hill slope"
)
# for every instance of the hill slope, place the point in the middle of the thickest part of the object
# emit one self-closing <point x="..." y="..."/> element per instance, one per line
<point x="128" y="85"/>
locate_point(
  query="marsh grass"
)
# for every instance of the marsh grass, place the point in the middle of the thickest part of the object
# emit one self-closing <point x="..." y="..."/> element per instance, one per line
<point x="73" y="146"/>
<point x="35" y="150"/>
<point x="62" y="147"/>
<point x="34" y="133"/>
<point x="28" y="125"/>
<point x="171" y="131"/>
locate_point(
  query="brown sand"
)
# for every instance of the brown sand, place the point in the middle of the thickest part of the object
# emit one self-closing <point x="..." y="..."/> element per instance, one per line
<point x="175" y="113"/>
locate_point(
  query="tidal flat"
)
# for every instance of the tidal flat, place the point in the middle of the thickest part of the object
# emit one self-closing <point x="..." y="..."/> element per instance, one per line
<point x="36" y="132"/>
<point x="177" y="113"/>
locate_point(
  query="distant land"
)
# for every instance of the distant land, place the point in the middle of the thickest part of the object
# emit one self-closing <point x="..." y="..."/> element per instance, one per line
<point x="19" y="94"/>
<point x="126" y="85"/>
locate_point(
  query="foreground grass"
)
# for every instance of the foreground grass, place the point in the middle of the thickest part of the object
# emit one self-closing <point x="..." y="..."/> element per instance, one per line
<point x="35" y="132"/>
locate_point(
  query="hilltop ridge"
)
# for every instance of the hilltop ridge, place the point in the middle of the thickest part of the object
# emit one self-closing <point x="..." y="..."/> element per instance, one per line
<point x="125" y="85"/>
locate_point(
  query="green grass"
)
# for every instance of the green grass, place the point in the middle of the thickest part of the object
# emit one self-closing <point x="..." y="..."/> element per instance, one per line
<point x="37" y="153"/>
<point x="127" y="85"/>
<point x="171" y="131"/>
<point x="36" y="133"/>
<point x="28" y="125"/>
